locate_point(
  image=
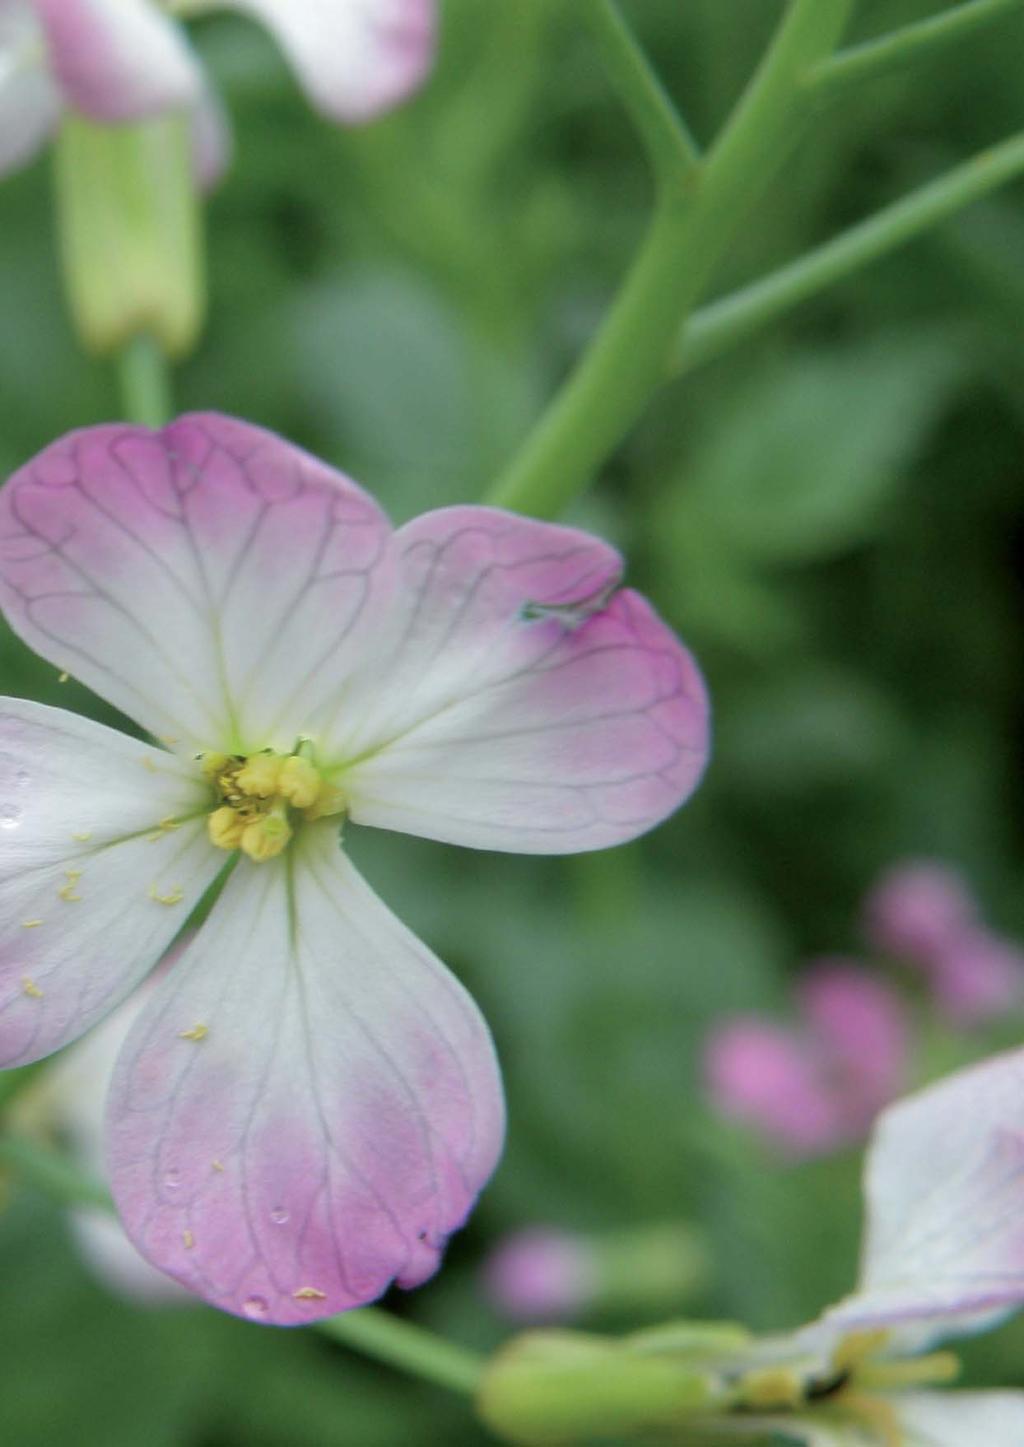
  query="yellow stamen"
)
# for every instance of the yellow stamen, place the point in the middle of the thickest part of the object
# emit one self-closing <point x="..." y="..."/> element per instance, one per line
<point x="771" y="1388"/>
<point x="932" y="1370"/>
<point x="213" y="764"/>
<point x="300" y="782"/>
<point x="265" y="838"/>
<point x="226" y="827"/>
<point x="260" y="775"/>
<point x="198" y="1032"/>
<point x="331" y="800"/>
<point x="877" y="1415"/>
<point x="857" y="1348"/>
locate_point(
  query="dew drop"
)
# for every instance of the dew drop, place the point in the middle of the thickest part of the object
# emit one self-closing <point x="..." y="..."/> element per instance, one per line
<point x="279" y="1216"/>
<point x="10" y="816"/>
<point x="172" y="1178"/>
<point x="255" y="1307"/>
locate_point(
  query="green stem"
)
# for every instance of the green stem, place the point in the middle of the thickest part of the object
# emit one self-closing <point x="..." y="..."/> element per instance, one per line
<point x="671" y="149"/>
<point x="145" y="382"/>
<point x="690" y="229"/>
<point x="53" y="1173"/>
<point x="912" y="43"/>
<point x="13" y="1082"/>
<point x="408" y="1347"/>
<point x="715" y="328"/>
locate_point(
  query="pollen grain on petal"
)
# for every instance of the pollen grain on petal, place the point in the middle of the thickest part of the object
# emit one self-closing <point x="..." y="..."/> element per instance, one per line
<point x="31" y="923"/>
<point x="187" y="1240"/>
<point x="197" y="1033"/>
<point x="309" y="1293"/>
<point x="216" y="1165"/>
<point x="29" y="987"/>
<point x="82" y="838"/>
<point x="174" y="896"/>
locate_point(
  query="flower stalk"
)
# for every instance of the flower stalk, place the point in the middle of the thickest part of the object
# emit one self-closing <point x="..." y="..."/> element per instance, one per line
<point x="697" y="211"/>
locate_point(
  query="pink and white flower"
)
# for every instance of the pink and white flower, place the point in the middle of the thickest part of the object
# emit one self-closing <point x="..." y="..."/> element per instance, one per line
<point x="309" y="1102"/>
<point x="943" y="1256"/>
<point x="129" y="60"/>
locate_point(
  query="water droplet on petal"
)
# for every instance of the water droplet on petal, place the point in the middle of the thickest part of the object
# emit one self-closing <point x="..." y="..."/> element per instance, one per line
<point x="279" y="1216"/>
<point x="10" y="816"/>
<point x="255" y="1307"/>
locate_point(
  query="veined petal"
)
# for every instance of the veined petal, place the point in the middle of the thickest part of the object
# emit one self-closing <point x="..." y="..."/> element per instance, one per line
<point x="960" y="1419"/>
<point x="29" y="104"/>
<point x="945" y="1201"/>
<point x="310" y="1103"/>
<point x="513" y="703"/>
<point x="354" y="58"/>
<point x="118" y="60"/>
<point x="210" y="579"/>
<point x="104" y="853"/>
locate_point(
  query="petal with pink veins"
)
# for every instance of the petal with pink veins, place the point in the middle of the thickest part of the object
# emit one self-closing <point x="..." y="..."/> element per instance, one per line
<point x="354" y="58"/>
<point x="515" y="701"/>
<point x="945" y="1199"/>
<point x="309" y="1104"/>
<point x="210" y="580"/>
<point x="118" y="60"/>
<point x="29" y="103"/>
<point x="104" y="853"/>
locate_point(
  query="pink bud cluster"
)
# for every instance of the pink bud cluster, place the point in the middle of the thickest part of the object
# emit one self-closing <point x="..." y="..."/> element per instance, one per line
<point x="814" y="1085"/>
<point x="923" y="914"/>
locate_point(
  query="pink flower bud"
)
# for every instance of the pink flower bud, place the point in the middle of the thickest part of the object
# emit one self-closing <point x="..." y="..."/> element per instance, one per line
<point x="916" y="908"/>
<point x="769" y="1078"/>
<point x="540" y="1274"/>
<point x="859" y="1026"/>
<point x="978" y="976"/>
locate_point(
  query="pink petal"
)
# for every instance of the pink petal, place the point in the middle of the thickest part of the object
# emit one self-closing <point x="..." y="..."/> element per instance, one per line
<point x="83" y="857"/>
<point x="916" y="908"/>
<point x="945" y="1200"/>
<point x="961" y="1419"/>
<point x="354" y="58"/>
<point x="212" y="141"/>
<point x="860" y="1030"/>
<point x="511" y="705"/>
<point x="210" y="580"/>
<point x="336" y="1120"/>
<point x="541" y="1274"/>
<point x="769" y="1079"/>
<point x="118" y="60"/>
<point x="29" y="104"/>
<point x="978" y="976"/>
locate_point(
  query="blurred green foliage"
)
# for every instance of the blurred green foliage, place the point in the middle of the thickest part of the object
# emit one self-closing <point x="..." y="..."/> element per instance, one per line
<point x="831" y="517"/>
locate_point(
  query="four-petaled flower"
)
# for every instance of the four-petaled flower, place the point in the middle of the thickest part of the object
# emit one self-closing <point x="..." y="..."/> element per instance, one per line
<point x="309" y="1103"/>
<point x="125" y="60"/>
<point x="943" y="1256"/>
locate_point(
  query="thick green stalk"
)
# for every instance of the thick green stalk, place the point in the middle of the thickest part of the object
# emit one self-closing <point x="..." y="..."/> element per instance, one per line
<point x="909" y="45"/>
<point x="410" y="1348"/>
<point x="717" y="327"/>
<point x="145" y="383"/>
<point x="690" y="229"/>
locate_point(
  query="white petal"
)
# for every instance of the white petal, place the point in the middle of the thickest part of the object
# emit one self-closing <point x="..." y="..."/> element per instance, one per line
<point x="945" y="1201"/>
<point x="209" y="579"/>
<point x="118" y="60"/>
<point x="354" y="58"/>
<point x="29" y="104"/>
<point x="511" y="701"/>
<point x="961" y="1419"/>
<point x="310" y="1103"/>
<point x="84" y="867"/>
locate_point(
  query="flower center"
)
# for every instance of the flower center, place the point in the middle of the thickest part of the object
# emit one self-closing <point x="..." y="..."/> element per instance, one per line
<point x="260" y="797"/>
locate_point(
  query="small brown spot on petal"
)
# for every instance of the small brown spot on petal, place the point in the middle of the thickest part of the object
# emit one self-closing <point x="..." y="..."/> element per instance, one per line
<point x="188" y="1240"/>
